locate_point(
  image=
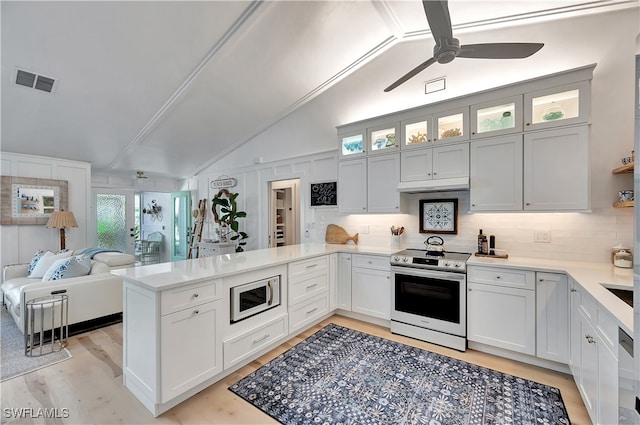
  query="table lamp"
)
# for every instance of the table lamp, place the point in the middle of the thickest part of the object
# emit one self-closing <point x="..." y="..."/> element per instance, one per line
<point x="61" y="220"/>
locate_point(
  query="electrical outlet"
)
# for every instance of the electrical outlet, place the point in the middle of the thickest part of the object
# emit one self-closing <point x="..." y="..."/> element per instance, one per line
<point x="542" y="236"/>
<point x="364" y="229"/>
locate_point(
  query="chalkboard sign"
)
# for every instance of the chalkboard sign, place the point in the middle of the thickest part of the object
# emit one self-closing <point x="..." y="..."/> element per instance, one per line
<point x="324" y="194"/>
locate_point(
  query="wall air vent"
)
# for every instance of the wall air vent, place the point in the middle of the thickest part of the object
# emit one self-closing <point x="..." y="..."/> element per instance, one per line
<point x="34" y="81"/>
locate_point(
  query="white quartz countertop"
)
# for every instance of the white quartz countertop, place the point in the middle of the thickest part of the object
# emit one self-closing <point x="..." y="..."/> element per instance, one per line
<point x="591" y="276"/>
<point x="158" y="277"/>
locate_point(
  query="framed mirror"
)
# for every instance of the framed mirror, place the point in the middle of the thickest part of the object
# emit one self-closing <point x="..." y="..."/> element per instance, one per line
<point x="31" y="200"/>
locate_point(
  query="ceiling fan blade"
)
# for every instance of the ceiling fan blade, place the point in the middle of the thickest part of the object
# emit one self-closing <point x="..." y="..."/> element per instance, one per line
<point x="438" y="17"/>
<point x="499" y="50"/>
<point x="415" y="71"/>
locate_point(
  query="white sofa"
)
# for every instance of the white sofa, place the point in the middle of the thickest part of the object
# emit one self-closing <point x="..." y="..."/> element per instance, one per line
<point x="93" y="296"/>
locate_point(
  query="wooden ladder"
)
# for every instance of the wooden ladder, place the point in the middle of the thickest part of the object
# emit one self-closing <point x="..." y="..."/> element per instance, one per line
<point x="196" y="233"/>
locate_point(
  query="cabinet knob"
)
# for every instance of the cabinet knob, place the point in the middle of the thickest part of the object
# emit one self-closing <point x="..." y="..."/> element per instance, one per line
<point x="473" y="205"/>
<point x="196" y="312"/>
<point x="528" y="123"/>
<point x="473" y="132"/>
<point x="528" y="203"/>
<point x="497" y="277"/>
<point x="196" y="295"/>
<point x="435" y="174"/>
<point x="573" y="290"/>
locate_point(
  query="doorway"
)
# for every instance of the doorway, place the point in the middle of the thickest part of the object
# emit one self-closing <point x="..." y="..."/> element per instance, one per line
<point x="284" y="213"/>
<point x="115" y="220"/>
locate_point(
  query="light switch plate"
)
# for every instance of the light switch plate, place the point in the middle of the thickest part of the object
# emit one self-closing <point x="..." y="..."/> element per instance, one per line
<point x="542" y="236"/>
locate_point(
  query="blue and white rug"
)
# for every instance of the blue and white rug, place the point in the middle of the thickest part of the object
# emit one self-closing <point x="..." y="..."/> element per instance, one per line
<point x="342" y="376"/>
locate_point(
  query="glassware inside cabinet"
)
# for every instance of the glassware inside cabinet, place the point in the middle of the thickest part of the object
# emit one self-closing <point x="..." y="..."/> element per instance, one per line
<point x="352" y="145"/>
<point x="415" y="133"/>
<point x="383" y="139"/>
<point x="557" y="106"/>
<point x="495" y="118"/>
<point x="450" y="126"/>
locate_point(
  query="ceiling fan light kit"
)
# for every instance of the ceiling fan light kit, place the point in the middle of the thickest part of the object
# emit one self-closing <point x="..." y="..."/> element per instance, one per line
<point x="447" y="47"/>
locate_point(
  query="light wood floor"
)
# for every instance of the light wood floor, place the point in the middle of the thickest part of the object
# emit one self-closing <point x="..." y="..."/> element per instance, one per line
<point x="89" y="385"/>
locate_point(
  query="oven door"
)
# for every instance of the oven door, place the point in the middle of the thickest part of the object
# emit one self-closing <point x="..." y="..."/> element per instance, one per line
<point x="255" y="297"/>
<point x="430" y="299"/>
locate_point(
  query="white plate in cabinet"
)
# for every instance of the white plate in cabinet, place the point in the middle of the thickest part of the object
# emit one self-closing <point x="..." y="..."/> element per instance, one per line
<point x="514" y="278"/>
<point x="191" y="351"/>
<point x="177" y="299"/>
<point x="378" y="262"/>
<point x="308" y="312"/>
<point x="243" y="346"/>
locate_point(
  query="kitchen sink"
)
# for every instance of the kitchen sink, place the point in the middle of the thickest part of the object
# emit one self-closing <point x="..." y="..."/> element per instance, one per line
<point x="625" y="295"/>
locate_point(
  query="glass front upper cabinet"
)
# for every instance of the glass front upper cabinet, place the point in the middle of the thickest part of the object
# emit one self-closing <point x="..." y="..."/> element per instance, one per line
<point x="352" y="144"/>
<point x="557" y="106"/>
<point x="416" y="133"/>
<point x="496" y="117"/>
<point x="383" y="138"/>
<point x="451" y="126"/>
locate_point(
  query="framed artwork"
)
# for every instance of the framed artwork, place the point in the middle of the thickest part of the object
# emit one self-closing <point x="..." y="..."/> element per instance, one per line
<point x="439" y="216"/>
<point x="27" y="200"/>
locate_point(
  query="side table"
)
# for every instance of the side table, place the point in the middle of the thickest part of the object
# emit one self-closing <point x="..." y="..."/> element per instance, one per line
<point x="46" y="324"/>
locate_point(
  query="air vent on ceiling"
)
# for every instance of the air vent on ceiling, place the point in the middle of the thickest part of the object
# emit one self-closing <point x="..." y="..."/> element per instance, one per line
<point x="34" y="81"/>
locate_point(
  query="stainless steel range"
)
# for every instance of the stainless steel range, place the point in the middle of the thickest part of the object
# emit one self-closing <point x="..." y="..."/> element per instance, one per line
<point x="429" y="296"/>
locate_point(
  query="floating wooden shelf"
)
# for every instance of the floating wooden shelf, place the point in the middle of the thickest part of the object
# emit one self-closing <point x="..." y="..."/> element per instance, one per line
<point x="623" y="204"/>
<point x="624" y="169"/>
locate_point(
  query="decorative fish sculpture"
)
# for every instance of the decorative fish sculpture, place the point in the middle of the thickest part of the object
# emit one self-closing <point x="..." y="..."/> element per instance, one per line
<point x="336" y="234"/>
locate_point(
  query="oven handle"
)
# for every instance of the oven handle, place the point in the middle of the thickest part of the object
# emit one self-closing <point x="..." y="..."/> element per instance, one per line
<point x="409" y="271"/>
<point x="270" y="292"/>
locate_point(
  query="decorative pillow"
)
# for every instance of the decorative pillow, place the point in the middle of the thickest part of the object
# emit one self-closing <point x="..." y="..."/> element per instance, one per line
<point x="68" y="267"/>
<point x="34" y="261"/>
<point x="46" y="261"/>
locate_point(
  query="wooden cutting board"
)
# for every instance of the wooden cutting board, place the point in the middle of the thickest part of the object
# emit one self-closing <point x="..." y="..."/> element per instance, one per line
<point x="337" y="234"/>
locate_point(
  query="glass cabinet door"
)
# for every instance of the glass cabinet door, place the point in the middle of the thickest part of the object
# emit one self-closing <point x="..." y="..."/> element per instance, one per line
<point x="383" y="138"/>
<point x="416" y="133"/>
<point x="352" y="144"/>
<point x="496" y="117"/>
<point x="558" y="106"/>
<point x="451" y="126"/>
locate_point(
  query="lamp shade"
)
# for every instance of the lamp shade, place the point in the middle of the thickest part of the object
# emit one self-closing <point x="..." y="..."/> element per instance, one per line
<point x="61" y="219"/>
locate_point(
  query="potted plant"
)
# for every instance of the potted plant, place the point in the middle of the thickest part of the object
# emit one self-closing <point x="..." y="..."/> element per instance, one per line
<point x="226" y="214"/>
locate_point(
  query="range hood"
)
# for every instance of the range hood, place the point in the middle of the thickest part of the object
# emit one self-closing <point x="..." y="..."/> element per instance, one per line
<point x="437" y="185"/>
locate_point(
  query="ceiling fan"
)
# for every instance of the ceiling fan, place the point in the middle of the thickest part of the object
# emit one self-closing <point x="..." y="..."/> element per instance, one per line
<point x="447" y="47"/>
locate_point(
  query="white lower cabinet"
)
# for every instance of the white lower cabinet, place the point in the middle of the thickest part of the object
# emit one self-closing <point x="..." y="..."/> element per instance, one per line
<point x="593" y="358"/>
<point x="552" y="315"/>
<point x="308" y="291"/>
<point x="343" y="283"/>
<point x="187" y="358"/>
<point x="501" y="316"/>
<point x="240" y="347"/>
<point x="371" y="286"/>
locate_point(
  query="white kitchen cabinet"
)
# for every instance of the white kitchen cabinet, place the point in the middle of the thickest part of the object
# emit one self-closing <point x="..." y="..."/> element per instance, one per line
<point x="352" y="186"/>
<point x="556" y="169"/>
<point x="382" y="138"/>
<point x="351" y="144"/>
<point x="501" y="308"/>
<point x="552" y="316"/>
<point x="371" y="286"/>
<point x="496" y="117"/>
<point x="308" y="291"/>
<point x="187" y="358"/>
<point x="496" y="174"/>
<point x="242" y="346"/>
<point x="344" y="281"/>
<point x="575" y="337"/>
<point x="442" y="162"/>
<point x="557" y="106"/>
<point x="383" y="176"/>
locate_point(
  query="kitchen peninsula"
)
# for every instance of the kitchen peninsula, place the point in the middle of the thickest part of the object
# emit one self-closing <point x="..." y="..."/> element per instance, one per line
<point x="179" y="339"/>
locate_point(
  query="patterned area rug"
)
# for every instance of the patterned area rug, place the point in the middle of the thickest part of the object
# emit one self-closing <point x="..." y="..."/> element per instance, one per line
<point x="13" y="362"/>
<point x="342" y="376"/>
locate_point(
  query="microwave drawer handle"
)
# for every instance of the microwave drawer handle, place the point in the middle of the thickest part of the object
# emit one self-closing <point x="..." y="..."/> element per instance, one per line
<point x="270" y="293"/>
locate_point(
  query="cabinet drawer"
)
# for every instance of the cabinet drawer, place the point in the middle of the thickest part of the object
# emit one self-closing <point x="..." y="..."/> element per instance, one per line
<point x="245" y="345"/>
<point x="311" y="266"/>
<point x="514" y="278"/>
<point x="589" y="306"/>
<point x="608" y="329"/>
<point x="308" y="312"/>
<point x="377" y="262"/>
<point x="305" y="288"/>
<point x="177" y="299"/>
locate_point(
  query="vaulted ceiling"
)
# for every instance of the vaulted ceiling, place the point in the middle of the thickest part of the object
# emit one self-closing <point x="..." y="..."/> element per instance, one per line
<point x="170" y="87"/>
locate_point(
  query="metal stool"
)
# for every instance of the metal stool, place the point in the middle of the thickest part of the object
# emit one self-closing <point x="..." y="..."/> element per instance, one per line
<point x="54" y="306"/>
